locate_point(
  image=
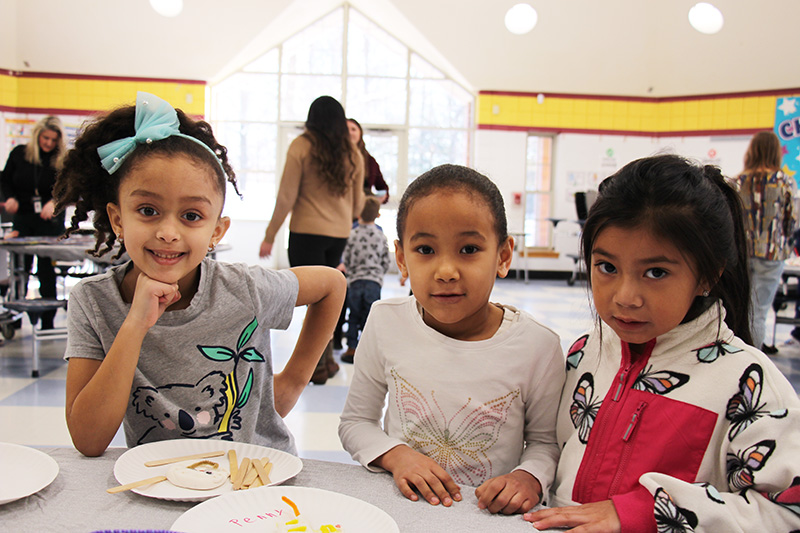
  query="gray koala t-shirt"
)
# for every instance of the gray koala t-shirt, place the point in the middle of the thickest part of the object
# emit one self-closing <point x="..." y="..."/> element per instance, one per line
<point x="204" y="372"/>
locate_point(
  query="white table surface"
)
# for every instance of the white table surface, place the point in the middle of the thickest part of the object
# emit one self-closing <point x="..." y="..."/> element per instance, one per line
<point x="77" y="500"/>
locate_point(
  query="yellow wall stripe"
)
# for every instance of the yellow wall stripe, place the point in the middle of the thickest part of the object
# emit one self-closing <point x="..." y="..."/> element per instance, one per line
<point x="68" y="94"/>
<point x="697" y="115"/>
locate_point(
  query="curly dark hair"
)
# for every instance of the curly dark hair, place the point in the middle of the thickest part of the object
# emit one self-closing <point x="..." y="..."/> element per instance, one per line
<point x="84" y="183"/>
<point x="326" y="128"/>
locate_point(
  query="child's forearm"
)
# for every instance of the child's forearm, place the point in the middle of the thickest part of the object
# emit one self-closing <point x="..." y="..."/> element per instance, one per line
<point x="98" y="396"/>
<point x="323" y="289"/>
<point x="389" y="460"/>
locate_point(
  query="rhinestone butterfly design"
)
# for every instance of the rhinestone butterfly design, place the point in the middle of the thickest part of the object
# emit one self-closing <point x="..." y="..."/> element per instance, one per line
<point x="460" y="442"/>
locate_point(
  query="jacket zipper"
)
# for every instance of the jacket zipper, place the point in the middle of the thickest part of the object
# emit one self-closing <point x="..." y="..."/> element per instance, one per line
<point x="627" y="449"/>
<point x="621" y="382"/>
<point x="601" y="427"/>
<point x="587" y="471"/>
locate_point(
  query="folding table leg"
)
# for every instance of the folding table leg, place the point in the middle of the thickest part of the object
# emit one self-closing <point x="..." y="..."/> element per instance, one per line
<point x="35" y="371"/>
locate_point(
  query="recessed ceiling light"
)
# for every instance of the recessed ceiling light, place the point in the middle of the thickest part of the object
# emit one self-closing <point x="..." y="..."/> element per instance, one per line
<point x="167" y="8"/>
<point x="705" y="18"/>
<point x="521" y="19"/>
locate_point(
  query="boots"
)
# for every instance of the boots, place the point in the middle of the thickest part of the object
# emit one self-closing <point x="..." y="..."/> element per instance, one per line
<point x="326" y="366"/>
<point x="330" y="362"/>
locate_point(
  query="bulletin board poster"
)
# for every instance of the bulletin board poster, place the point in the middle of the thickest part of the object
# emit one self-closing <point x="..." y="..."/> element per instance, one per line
<point x="787" y="128"/>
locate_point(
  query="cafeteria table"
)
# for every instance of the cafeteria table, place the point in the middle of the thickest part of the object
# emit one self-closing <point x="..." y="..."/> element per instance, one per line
<point x="75" y="249"/>
<point x="77" y="500"/>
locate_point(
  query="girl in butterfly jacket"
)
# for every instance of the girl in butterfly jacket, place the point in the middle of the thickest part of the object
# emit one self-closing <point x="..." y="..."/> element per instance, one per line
<point x="669" y="420"/>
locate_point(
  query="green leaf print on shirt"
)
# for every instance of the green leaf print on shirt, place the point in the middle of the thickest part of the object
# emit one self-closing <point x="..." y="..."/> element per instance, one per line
<point x="236" y="398"/>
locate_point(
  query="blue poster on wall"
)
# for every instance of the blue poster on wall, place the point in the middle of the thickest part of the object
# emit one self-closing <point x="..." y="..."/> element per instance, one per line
<point x="787" y="128"/>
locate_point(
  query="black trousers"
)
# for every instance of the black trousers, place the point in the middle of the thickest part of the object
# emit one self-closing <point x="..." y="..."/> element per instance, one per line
<point x="309" y="250"/>
<point x="32" y="225"/>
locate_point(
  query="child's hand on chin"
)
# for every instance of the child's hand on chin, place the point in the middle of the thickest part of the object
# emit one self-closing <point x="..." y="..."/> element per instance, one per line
<point x="412" y="469"/>
<point x="597" y="517"/>
<point x="151" y="299"/>
<point x="515" y="492"/>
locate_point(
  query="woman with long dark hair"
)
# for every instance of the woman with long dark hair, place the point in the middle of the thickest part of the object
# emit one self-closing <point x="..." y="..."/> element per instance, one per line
<point x="322" y="186"/>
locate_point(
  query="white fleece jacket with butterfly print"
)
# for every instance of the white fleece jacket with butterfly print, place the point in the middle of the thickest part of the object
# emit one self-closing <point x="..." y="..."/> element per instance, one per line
<point x="699" y="433"/>
<point x="480" y="409"/>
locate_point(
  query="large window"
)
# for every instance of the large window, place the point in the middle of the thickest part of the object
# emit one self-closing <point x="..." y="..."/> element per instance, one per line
<point x="414" y="117"/>
<point x="538" y="183"/>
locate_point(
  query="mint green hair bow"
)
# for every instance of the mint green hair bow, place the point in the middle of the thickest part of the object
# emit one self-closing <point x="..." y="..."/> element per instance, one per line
<point x="155" y="120"/>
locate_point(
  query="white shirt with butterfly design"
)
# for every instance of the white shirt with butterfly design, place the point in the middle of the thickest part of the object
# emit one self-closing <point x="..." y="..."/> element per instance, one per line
<point x="480" y="409"/>
<point x="699" y="433"/>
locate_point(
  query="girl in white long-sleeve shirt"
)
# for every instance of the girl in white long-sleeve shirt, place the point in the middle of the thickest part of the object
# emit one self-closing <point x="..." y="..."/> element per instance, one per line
<point x="472" y="386"/>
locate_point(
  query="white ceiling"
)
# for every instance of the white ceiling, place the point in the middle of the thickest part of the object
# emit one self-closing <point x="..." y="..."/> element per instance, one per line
<point x="620" y="47"/>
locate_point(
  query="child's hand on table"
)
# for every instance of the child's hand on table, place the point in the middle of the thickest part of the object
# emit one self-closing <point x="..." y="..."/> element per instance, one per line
<point x="597" y="517"/>
<point x="515" y="492"/>
<point x="412" y="469"/>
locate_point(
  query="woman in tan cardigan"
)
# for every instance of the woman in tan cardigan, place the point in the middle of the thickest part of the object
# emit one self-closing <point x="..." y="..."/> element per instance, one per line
<point x="322" y="186"/>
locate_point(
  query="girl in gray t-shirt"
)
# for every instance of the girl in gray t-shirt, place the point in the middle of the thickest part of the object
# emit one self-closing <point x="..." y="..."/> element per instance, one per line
<point x="174" y="344"/>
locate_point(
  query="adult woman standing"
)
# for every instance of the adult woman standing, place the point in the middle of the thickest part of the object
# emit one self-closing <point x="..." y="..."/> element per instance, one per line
<point x="27" y="186"/>
<point x="770" y="218"/>
<point x="372" y="171"/>
<point x="322" y="186"/>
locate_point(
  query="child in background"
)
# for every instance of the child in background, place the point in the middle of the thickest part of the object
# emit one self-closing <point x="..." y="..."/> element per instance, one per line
<point x="174" y="344"/>
<point x="669" y="420"/>
<point x="366" y="261"/>
<point x="473" y="386"/>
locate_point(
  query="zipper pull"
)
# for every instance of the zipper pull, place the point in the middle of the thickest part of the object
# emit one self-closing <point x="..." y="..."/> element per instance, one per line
<point x="621" y="383"/>
<point x="634" y="419"/>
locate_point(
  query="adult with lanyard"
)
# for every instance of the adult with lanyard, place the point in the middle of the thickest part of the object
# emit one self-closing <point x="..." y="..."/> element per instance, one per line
<point x="27" y="186"/>
<point x="322" y="187"/>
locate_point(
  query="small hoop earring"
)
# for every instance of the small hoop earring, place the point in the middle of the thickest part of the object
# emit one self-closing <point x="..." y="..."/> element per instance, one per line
<point x="121" y="241"/>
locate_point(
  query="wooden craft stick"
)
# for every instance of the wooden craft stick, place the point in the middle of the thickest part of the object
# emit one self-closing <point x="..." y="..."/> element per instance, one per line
<point x="161" y="462"/>
<point x="252" y="474"/>
<point x="233" y="464"/>
<point x="267" y="468"/>
<point x="136" y="484"/>
<point x="261" y="469"/>
<point x="237" y="484"/>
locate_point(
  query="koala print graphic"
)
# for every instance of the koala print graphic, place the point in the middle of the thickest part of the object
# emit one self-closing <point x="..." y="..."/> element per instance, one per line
<point x="161" y="405"/>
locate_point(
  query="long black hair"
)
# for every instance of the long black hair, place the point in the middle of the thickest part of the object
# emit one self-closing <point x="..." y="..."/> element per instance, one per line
<point x="693" y="208"/>
<point x="326" y="126"/>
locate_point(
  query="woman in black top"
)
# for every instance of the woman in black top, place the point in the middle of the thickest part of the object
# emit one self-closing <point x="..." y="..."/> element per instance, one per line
<point x="27" y="187"/>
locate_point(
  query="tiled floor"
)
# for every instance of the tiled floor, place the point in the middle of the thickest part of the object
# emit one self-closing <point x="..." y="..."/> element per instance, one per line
<point x="32" y="410"/>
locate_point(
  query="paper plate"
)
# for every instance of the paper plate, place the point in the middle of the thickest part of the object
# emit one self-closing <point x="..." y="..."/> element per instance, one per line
<point x="263" y="509"/>
<point x="130" y="466"/>
<point x="25" y="471"/>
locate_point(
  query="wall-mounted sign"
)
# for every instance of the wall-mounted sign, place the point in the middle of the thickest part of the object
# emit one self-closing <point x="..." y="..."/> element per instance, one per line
<point x="787" y="128"/>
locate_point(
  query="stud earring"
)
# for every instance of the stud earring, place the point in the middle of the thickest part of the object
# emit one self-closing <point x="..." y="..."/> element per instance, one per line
<point x="705" y="294"/>
<point x="212" y="247"/>
<point x="121" y="241"/>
